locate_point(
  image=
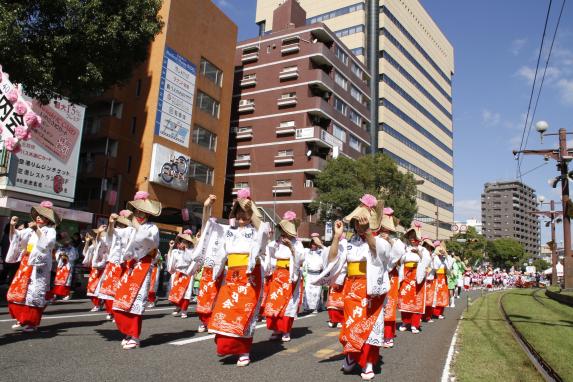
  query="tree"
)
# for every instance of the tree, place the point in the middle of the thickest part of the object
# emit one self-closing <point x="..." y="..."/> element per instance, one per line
<point x="541" y="265"/>
<point x="470" y="248"/>
<point x="75" y="48"/>
<point x="345" y="180"/>
<point x="506" y="252"/>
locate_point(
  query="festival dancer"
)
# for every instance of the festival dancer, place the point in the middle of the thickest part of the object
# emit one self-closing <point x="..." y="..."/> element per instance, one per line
<point x="131" y="296"/>
<point x="285" y="290"/>
<point x="269" y="264"/>
<point x="430" y="282"/>
<point x="313" y="265"/>
<point x="95" y="255"/>
<point x="208" y="286"/>
<point x="411" y="295"/>
<point x="441" y="267"/>
<point x="179" y="261"/>
<point x="26" y="295"/>
<point x="387" y="229"/>
<point x="154" y="283"/>
<point x="66" y="256"/>
<point x="365" y="287"/>
<point x="237" y="305"/>
<point x="116" y="237"/>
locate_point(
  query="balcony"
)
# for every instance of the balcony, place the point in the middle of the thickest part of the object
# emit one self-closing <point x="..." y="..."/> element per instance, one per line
<point x="248" y="81"/>
<point x="285" y="129"/>
<point x="286" y="101"/>
<point x="282" y="189"/>
<point x="315" y="165"/>
<point x="284" y="159"/>
<point x="250" y="54"/>
<point x="244" y="134"/>
<point x="288" y="74"/>
<point x="242" y="162"/>
<point x="290" y="48"/>
<point x="246" y="107"/>
<point x="320" y="136"/>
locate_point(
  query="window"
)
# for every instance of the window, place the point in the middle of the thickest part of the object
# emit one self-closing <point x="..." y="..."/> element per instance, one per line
<point x="358" y="52"/>
<point x="335" y="13"/>
<point x="243" y="157"/>
<point x="283" y="183"/>
<point x="358" y="71"/>
<point x="250" y="49"/>
<point x="211" y="72"/>
<point x="342" y="56"/>
<point x="133" y="124"/>
<point x="208" y="104"/>
<point x="288" y="95"/>
<point x="204" y="137"/>
<point x="355" y="143"/>
<point x="287" y="124"/>
<point x="240" y="185"/>
<point x="287" y="69"/>
<point x="340" y="80"/>
<point x="352" y="30"/>
<point x="340" y="105"/>
<point x="285" y="153"/>
<point x="339" y="132"/>
<point x="200" y="172"/>
<point x="250" y="77"/>
<point x="356" y="94"/>
<point x="355" y="117"/>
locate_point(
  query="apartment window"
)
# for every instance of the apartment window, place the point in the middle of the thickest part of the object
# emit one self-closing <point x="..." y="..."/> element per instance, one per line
<point x="247" y="77"/>
<point x="287" y="124"/>
<point x="287" y="69"/>
<point x="357" y="71"/>
<point x="208" y="104"/>
<point x="340" y="106"/>
<point x="288" y="95"/>
<point x="200" y="172"/>
<point x="133" y="124"/>
<point x="285" y="153"/>
<point x="339" y="132"/>
<point x="355" y="117"/>
<point x="336" y="13"/>
<point x="204" y="138"/>
<point x="240" y="185"/>
<point x="283" y="183"/>
<point x="211" y="72"/>
<point x="358" y="52"/>
<point x="340" y="80"/>
<point x="138" y="88"/>
<point x="243" y="157"/>
<point x="355" y="143"/>
<point x="356" y="94"/>
<point x="352" y="30"/>
<point x="342" y="56"/>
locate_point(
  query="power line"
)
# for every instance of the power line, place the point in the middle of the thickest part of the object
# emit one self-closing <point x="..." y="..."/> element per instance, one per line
<point x="533" y="169"/>
<point x="544" y="71"/>
<point x="532" y="89"/>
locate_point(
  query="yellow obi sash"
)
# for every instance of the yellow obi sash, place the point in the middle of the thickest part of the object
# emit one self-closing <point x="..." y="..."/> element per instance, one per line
<point x="238" y="260"/>
<point x="411" y="264"/>
<point x="283" y="263"/>
<point x="356" y="268"/>
<point x="29" y="248"/>
<point x="441" y="271"/>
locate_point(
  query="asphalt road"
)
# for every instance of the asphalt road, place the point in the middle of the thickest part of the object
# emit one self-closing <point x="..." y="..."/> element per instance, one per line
<point x="74" y="345"/>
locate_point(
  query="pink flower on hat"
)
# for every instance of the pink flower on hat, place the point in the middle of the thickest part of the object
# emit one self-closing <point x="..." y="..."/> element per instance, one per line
<point x="13" y="95"/>
<point x="32" y="120"/>
<point x="388" y="211"/>
<point x="188" y="232"/>
<point x="369" y="200"/>
<point x="141" y="195"/>
<point x="244" y="193"/>
<point x="437" y="242"/>
<point x="314" y="235"/>
<point x="289" y="215"/>
<point x="20" y="107"/>
<point x="47" y="204"/>
<point x="125" y="213"/>
<point x="417" y="224"/>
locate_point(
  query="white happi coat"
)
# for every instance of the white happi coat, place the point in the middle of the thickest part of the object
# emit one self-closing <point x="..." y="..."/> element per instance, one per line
<point x="117" y="252"/>
<point x="143" y="240"/>
<point x="423" y="259"/>
<point x="41" y="259"/>
<point x="281" y="252"/>
<point x="313" y="265"/>
<point x="180" y="261"/>
<point x="72" y="255"/>
<point x="18" y="243"/>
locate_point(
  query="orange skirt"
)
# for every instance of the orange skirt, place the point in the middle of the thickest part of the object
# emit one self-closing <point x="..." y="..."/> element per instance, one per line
<point x="442" y="294"/>
<point x="392" y="297"/>
<point x="280" y="293"/>
<point x="411" y="296"/>
<point x="208" y="291"/>
<point x="430" y="292"/>
<point x="335" y="298"/>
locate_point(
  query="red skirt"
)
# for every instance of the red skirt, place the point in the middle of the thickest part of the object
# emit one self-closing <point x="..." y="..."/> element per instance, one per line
<point x="128" y="324"/>
<point x="60" y="290"/>
<point x="280" y="324"/>
<point x="232" y="345"/>
<point x="336" y="316"/>
<point x="26" y="315"/>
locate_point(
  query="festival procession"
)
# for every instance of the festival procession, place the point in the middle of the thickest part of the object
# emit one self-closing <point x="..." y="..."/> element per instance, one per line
<point x="291" y="190"/>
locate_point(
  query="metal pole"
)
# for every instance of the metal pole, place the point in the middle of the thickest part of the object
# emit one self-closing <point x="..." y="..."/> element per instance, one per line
<point x="554" y="246"/>
<point x="568" y="259"/>
<point x="373" y="49"/>
<point x="437" y="222"/>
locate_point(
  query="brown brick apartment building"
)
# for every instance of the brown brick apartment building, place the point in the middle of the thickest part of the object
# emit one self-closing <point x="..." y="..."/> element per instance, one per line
<point x="300" y="97"/>
<point x="167" y="130"/>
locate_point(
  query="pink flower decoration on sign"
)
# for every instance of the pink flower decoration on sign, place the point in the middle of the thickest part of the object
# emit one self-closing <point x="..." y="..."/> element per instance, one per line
<point x="141" y="195"/>
<point x="20" y="107"/>
<point x="13" y="95"/>
<point x="21" y="133"/>
<point x="388" y="211"/>
<point x="47" y="204"/>
<point x="289" y="215"/>
<point x="32" y="119"/>
<point x="125" y="213"/>
<point x="11" y="144"/>
<point x="417" y="224"/>
<point x="369" y="200"/>
<point x="244" y="193"/>
<point x="188" y="232"/>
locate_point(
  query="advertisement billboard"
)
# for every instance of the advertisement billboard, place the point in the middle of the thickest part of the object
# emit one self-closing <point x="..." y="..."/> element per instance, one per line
<point x="169" y="168"/>
<point x="176" y="93"/>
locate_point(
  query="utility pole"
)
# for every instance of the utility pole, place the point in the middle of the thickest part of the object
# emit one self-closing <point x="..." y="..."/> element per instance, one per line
<point x="553" y="215"/>
<point x="373" y="31"/>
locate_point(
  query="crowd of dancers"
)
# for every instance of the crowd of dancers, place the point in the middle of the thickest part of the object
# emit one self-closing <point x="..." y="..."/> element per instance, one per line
<point x="246" y="275"/>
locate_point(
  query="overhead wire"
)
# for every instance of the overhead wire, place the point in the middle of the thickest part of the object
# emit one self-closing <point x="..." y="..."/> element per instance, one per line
<point x="519" y="156"/>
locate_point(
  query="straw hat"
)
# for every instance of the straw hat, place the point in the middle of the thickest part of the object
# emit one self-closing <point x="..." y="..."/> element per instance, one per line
<point x="428" y="242"/>
<point x="186" y="235"/>
<point x="141" y="202"/>
<point x="245" y="202"/>
<point x="125" y="217"/>
<point x="289" y="224"/>
<point x="414" y="232"/>
<point x="365" y="209"/>
<point x="46" y="210"/>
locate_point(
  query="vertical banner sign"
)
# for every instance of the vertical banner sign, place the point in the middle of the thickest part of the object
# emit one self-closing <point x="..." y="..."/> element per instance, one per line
<point x="47" y="165"/>
<point x="175" y="103"/>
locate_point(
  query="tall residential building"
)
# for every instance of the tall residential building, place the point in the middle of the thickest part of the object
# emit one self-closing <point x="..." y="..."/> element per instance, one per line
<point x="505" y="208"/>
<point x="166" y="131"/>
<point x="300" y="97"/>
<point x="416" y="65"/>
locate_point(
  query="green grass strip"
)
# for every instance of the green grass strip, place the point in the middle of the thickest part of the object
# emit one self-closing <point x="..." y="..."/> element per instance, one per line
<point x="486" y="348"/>
<point x="546" y="324"/>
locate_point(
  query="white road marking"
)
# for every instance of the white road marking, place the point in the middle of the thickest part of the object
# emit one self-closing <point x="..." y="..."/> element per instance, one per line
<point x="45" y="317"/>
<point x="447" y="366"/>
<point x="211" y="336"/>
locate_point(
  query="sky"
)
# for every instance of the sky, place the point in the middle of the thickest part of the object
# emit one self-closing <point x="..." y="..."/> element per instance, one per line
<point x="496" y="45"/>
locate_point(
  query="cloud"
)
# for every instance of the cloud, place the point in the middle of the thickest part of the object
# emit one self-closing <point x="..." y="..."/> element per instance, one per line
<point x="490" y="118"/>
<point x="467" y="209"/>
<point x="515" y="141"/>
<point x="517" y="45"/>
<point x="225" y="4"/>
<point x="565" y="87"/>
<point x="528" y="73"/>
